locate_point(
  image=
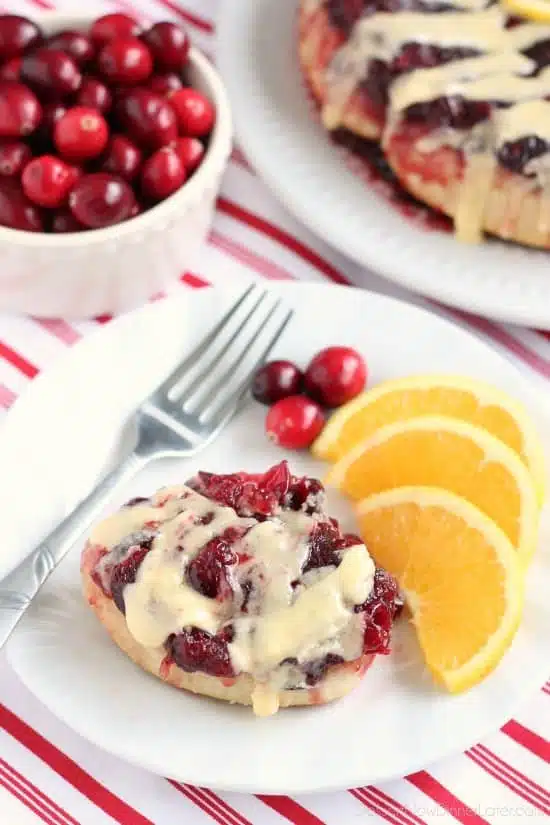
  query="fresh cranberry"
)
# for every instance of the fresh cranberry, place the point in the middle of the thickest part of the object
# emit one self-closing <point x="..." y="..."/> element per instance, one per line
<point x="208" y="571"/>
<point x="162" y="174"/>
<point x="126" y="573"/>
<point x="51" y="72"/>
<point x="169" y="45"/>
<point x="81" y="134"/>
<point x="11" y="70"/>
<point x="122" y="158"/>
<point x="163" y="84"/>
<point x="126" y="61"/>
<point x="517" y="154"/>
<point x="113" y="26"/>
<point x="190" y="151"/>
<point x="147" y="118"/>
<point x="345" y="13"/>
<point x="51" y="113"/>
<point x="17" y="35"/>
<point x="335" y="376"/>
<point x="13" y="158"/>
<point x="324" y="547"/>
<point x="101" y="199"/>
<point x="16" y="210"/>
<point x="94" y="94"/>
<point x="453" y="111"/>
<point x="74" y="43"/>
<point x="294" y="422"/>
<point x="306" y="494"/>
<point x="276" y="380"/>
<point x="64" y="221"/>
<point x="194" y="112"/>
<point x="20" y="111"/>
<point x="47" y="180"/>
<point x="195" y="649"/>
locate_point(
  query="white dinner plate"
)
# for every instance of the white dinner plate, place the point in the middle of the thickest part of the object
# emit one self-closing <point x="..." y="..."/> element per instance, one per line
<point x="64" y="432"/>
<point x="283" y="139"/>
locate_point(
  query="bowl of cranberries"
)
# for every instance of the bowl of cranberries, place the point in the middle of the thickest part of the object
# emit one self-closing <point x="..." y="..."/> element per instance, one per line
<point x="113" y="140"/>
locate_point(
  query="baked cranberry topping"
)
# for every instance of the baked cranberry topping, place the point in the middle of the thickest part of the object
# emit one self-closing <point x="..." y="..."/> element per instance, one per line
<point x="249" y="495"/>
<point x="411" y="56"/>
<point x="134" y="549"/>
<point x="539" y="53"/>
<point x="137" y="500"/>
<point x="380" y="609"/>
<point x="344" y="14"/>
<point x="307" y="494"/>
<point x="454" y="111"/>
<point x="195" y="649"/>
<point x="208" y="572"/>
<point x="515" y="156"/>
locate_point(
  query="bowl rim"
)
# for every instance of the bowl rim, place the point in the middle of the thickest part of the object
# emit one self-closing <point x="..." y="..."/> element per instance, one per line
<point x="215" y="156"/>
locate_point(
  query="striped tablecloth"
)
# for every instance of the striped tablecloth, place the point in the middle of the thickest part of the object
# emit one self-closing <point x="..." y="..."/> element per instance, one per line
<point x="49" y="774"/>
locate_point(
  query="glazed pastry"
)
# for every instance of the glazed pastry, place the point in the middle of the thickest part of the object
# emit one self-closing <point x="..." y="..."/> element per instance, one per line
<point x="462" y="112"/>
<point x="241" y="588"/>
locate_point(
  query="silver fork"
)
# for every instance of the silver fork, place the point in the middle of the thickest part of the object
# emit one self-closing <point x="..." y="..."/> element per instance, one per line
<point x="180" y="417"/>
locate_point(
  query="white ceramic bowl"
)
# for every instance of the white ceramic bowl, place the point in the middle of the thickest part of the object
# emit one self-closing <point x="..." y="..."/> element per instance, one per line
<point x="114" y="269"/>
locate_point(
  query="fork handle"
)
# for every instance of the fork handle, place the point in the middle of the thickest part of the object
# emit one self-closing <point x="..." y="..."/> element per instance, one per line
<point x="21" y="586"/>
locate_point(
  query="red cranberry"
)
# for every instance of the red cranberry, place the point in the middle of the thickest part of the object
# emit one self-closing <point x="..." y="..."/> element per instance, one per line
<point x="100" y="200"/>
<point x="194" y="112"/>
<point x="169" y="45"/>
<point x="162" y="174"/>
<point x="51" y="72"/>
<point x="16" y="210"/>
<point x="11" y="70"/>
<point x="294" y="422"/>
<point x="81" y="134"/>
<point x="335" y="376"/>
<point x="324" y="547"/>
<point x="17" y="35"/>
<point x="113" y="26"/>
<point x="163" y="84"/>
<point x="64" y="221"/>
<point x="453" y="111"/>
<point x="94" y="94"/>
<point x="190" y="151"/>
<point x="516" y="154"/>
<point x="147" y="118"/>
<point x="20" y="111"/>
<point x="127" y="61"/>
<point x="122" y="158"/>
<point x="276" y="380"/>
<point x="126" y="572"/>
<point x="306" y="494"/>
<point x="74" y="43"/>
<point x="194" y="649"/>
<point x="47" y="180"/>
<point x="13" y="158"/>
<point x="208" y="571"/>
<point x="248" y="495"/>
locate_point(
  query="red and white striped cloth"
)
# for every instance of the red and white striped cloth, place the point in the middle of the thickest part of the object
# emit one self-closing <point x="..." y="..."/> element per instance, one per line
<point x="49" y="774"/>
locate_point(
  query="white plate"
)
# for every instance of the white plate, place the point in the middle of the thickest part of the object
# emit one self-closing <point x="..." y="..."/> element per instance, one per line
<point x="67" y="427"/>
<point x="275" y="127"/>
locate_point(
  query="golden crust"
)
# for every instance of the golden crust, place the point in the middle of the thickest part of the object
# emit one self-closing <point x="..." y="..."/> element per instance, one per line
<point x="340" y="680"/>
<point x="514" y="211"/>
<point x="318" y="43"/>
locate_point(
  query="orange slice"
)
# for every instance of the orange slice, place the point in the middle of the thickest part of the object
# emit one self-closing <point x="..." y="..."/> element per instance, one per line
<point x="449" y="395"/>
<point x="538" y="10"/>
<point x="458" y="571"/>
<point x="448" y="453"/>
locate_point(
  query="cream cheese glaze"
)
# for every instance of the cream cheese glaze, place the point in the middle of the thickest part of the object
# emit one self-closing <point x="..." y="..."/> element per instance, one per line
<point x="500" y="74"/>
<point x="291" y="617"/>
